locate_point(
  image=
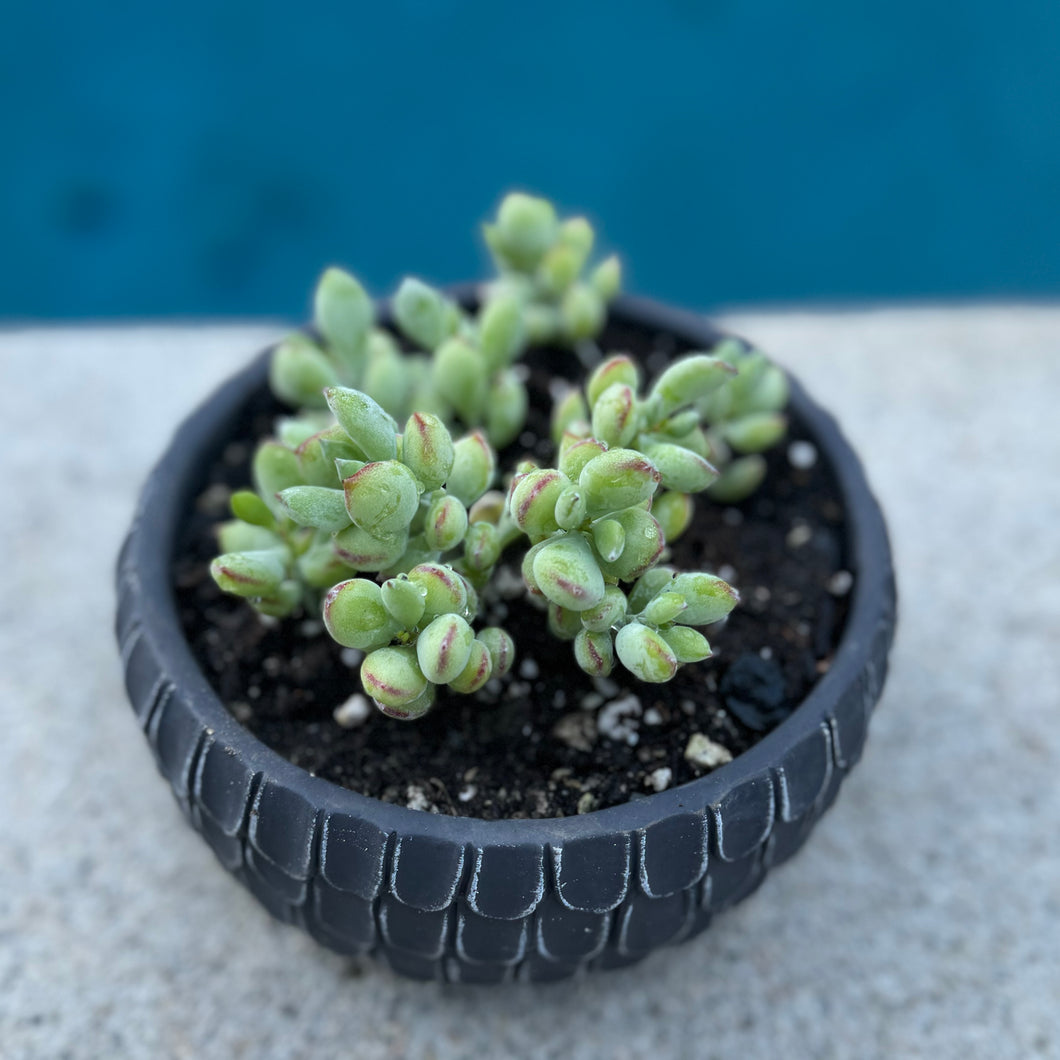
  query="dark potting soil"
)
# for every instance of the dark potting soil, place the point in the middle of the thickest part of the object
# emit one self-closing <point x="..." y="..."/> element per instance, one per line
<point x="547" y="740"/>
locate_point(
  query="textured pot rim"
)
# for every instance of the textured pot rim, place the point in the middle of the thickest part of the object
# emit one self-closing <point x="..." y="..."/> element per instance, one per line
<point x="147" y="561"/>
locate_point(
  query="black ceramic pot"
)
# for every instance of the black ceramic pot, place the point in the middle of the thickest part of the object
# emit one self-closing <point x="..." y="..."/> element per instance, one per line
<point x="468" y="900"/>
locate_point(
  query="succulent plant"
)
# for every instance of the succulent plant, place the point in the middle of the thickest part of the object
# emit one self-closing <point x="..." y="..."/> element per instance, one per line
<point x="394" y="533"/>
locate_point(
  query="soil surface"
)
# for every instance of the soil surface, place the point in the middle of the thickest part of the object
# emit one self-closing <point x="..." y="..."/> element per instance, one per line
<point x="547" y="740"/>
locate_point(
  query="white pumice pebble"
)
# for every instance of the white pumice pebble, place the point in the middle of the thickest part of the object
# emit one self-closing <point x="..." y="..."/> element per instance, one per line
<point x="620" y="719"/>
<point x="802" y="455"/>
<point x="840" y="583"/>
<point x="661" y="778"/>
<point x="355" y="711"/>
<point x="704" y="753"/>
<point x="416" y="798"/>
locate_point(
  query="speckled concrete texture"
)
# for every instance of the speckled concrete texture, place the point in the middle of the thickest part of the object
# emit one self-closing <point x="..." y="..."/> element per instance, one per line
<point x="929" y="932"/>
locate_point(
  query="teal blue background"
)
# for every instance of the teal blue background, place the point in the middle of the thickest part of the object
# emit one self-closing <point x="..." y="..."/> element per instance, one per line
<point x="210" y="159"/>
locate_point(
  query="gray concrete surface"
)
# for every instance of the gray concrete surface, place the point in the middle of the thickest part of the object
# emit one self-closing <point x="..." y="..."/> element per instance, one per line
<point x="931" y="931"/>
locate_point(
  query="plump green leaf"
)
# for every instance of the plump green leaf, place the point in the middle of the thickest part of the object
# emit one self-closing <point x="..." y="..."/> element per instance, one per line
<point x="443" y="648"/>
<point x="250" y="574"/>
<point x="422" y="313"/>
<point x="445" y="524"/>
<point x="482" y="546"/>
<point x="615" y="418"/>
<point x="577" y="233"/>
<point x="476" y="672"/>
<point x="365" y="551"/>
<point x="472" y="470"/>
<point x="755" y="432"/>
<point x="619" y="368"/>
<point x="680" y="468"/>
<point x="355" y="616"/>
<point x="427" y="449"/>
<point x="526" y="227"/>
<point x="675" y="427"/>
<point x="237" y="536"/>
<point x="282" y="602"/>
<point x="771" y="393"/>
<point x="594" y="652"/>
<point x="656" y="580"/>
<point x="617" y="479"/>
<point x="609" y="538"/>
<point x="577" y="454"/>
<point x="372" y="430"/>
<point x="502" y="331"/>
<point x="528" y="568"/>
<point x="663" y="609"/>
<point x="299" y="371"/>
<point x="461" y="377"/>
<point x="410" y="711"/>
<point x="506" y="407"/>
<point x="645" y="653"/>
<point x="673" y="511"/>
<point x="343" y="313"/>
<point x="563" y="623"/>
<point x="567" y="573"/>
<point x="608" y="613"/>
<point x="317" y="468"/>
<point x="275" y="468"/>
<point x="445" y="591"/>
<point x="606" y="278"/>
<point x="249" y="507"/>
<point x="404" y="600"/>
<point x="644" y="543"/>
<point x="570" y="509"/>
<point x="559" y="268"/>
<point x="686" y="381"/>
<point x="316" y="506"/>
<point x="382" y="497"/>
<point x="582" y="312"/>
<point x="687" y="644"/>
<point x="532" y="501"/>
<point x="392" y="676"/>
<point x="387" y="376"/>
<point x="709" y="597"/>
<point x="739" y="479"/>
<point x="501" y="647"/>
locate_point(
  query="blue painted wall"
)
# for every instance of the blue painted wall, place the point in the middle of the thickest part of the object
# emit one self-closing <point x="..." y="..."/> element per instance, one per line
<point x="209" y="159"/>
